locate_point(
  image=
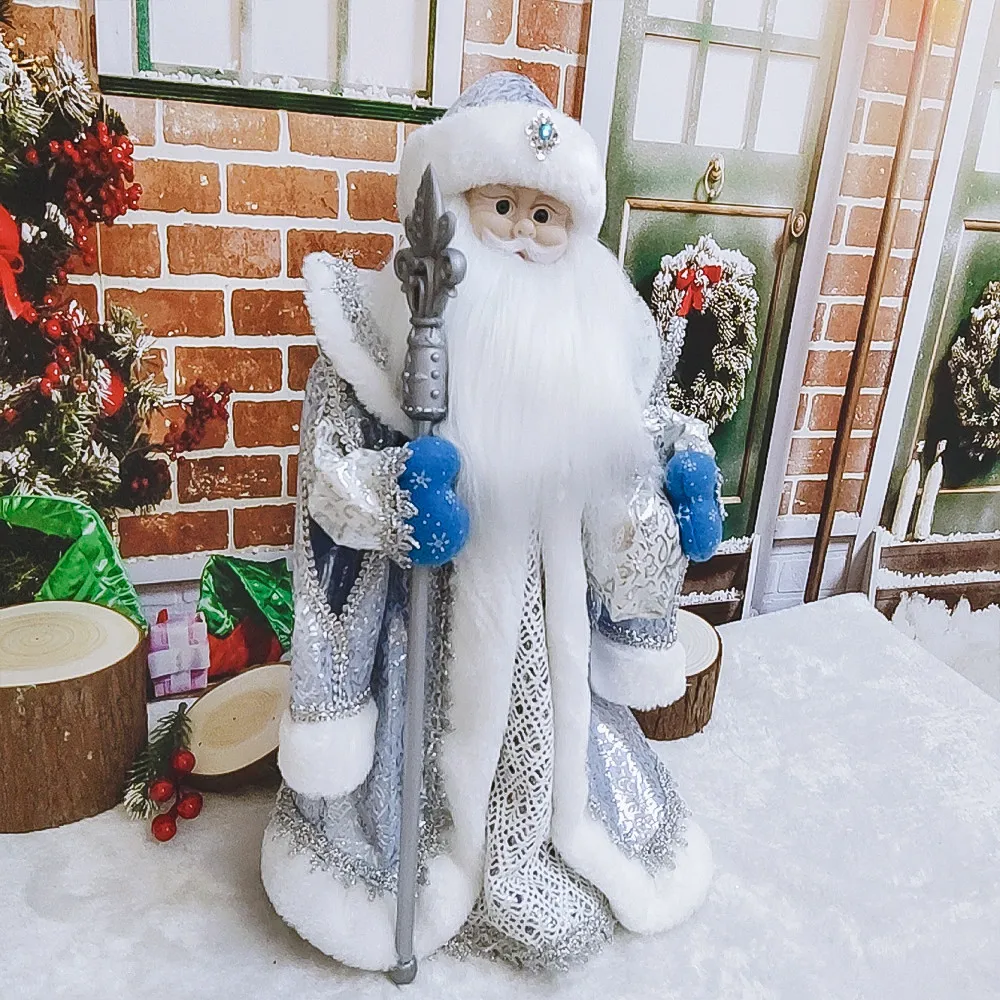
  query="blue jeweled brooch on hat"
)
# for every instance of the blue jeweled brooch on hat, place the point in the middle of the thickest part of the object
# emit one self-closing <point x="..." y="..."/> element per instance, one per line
<point x="542" y="134"/>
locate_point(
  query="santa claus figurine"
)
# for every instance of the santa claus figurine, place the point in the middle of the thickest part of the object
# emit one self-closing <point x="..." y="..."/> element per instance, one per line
<point x="546" y="818"/>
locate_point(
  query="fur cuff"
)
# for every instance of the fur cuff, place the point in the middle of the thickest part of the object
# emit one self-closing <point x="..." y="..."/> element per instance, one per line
<point x="636" y="677"/>
<point x="327" y="758"/>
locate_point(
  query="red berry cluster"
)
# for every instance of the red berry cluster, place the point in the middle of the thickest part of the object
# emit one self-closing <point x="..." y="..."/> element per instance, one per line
<point x="99" y="188"/>
<point x="206" y="405"/>
<point x="68" y="329"/>
<point x="186" y="804"/>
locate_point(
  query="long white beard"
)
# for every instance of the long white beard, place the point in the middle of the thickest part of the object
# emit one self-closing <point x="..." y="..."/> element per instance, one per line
<point x="543" y="396"/>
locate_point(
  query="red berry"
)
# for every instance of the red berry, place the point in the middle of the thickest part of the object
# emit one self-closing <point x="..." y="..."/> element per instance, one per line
<point x="10" y="414"/>
<point x="161" y="790"/>
<point x="182" y="760"/>
<point x="126" y="144"/>
<point x="53" y="372"/>
<point x="189" y="805"/>
<point x="29" y="313"/>
<point x="31" y="156"/>
<point x="45" y="387"/>
<point x="55" y="146"/>
<point x="53" y="329"/>
<point x="80" y="383"/>
<point x="164" y="827"/>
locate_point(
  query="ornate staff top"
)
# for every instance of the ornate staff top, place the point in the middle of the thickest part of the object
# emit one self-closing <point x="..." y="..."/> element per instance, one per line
<point x="429" y="270"/>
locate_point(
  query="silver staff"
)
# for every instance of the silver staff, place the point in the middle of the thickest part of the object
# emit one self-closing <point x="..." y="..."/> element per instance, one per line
<point x="429" y="271"/>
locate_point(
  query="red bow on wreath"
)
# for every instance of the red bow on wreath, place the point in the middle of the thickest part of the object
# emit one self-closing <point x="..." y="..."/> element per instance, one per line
<point x="11" y="263"/>
<point x="693" y="281"/>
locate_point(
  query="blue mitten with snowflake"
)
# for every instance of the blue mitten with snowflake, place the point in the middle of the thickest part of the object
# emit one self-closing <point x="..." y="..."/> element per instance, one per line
<point x="441" y="524"/>
<point x="694" y="489"/>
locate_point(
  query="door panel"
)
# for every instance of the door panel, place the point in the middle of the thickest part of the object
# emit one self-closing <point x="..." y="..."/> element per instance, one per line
<point x="970" y="499"/>
<point x="749" y="80"/>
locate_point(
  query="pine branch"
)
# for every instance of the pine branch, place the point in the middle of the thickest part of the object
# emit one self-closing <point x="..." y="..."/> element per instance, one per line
<point x="172" y="732"/>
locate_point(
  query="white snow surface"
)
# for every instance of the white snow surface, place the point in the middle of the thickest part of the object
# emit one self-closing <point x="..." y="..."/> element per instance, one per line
<point x="894" y="579"/>
<point x="888" y="539"/>
<point x="734" y="546"/>
<point x="710" y="597"/>
<point x="848" y="780"/>
<point x="967" y="640"/>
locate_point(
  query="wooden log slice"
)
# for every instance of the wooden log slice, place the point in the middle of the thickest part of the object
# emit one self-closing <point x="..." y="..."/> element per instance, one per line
<point x="72" y="711"/>
<point x="234" y="729"/>
<point x="690" y="714"/>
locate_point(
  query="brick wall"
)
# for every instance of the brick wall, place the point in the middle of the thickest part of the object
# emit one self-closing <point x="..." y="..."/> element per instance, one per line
<point x="233" y="199"/>
<point x="859" y="209"/>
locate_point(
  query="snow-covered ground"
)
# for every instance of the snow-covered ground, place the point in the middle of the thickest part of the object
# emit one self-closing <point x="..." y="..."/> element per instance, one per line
<point x="967" y="640"/>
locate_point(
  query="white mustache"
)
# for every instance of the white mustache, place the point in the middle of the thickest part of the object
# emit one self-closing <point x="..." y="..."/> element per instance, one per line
<point x="535" y="252"/>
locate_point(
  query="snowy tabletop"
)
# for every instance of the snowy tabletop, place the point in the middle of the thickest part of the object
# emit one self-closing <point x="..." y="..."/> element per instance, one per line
<point x="849" y="781"/>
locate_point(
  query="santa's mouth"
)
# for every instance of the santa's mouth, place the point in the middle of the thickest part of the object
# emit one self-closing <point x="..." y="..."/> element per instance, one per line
<point x="521" y="253"/>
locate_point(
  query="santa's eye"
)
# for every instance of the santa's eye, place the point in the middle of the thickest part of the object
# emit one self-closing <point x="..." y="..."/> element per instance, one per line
<point x="503" y="206"/>
<point x="541" y="215"/>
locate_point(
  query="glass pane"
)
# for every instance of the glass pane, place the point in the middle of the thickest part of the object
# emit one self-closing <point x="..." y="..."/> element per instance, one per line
<point x="683" y="10"/>
<point x="303" y="46"/>
<point x="387" y="45"/>
<point x="664" y="86"/>
<point x="196" y="34"/>
<point x="784" y="106"/>
<point x="989" y="150"/>
<point x="739" y="13"/>
<point x="803" y="18"/>
<point x="723" y="113"/>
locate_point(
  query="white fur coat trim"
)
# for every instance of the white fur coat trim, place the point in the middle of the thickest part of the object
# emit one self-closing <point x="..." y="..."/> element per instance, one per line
<point x="335" y="338"/>
<point x="480" y="146"/>
<point x="327" y="758"/>
<point x="639" y="678"/>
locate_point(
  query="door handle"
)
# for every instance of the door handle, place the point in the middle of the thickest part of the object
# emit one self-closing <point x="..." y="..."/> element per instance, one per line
<point x="798" y="225"/>
<point x="715" y="177"/>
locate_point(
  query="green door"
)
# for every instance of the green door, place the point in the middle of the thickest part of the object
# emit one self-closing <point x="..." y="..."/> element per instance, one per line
<point x="749" y="81"/>
<point x="970" y="499"/>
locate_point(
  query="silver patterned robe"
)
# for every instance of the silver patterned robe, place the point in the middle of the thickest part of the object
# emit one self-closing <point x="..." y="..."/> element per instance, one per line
<point x="546" y="817"/>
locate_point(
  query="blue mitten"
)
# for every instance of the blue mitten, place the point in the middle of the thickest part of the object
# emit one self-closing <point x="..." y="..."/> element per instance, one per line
<point x="693" y="483"/>
<point x="441" y="524"/>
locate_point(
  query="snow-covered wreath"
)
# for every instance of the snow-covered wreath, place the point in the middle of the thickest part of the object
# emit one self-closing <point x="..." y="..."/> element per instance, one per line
<point x="975" y="374"/>
<point x="710" y="377"/>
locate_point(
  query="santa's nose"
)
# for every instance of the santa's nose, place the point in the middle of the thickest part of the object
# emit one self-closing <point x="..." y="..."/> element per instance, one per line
<point x="525" y="228"/>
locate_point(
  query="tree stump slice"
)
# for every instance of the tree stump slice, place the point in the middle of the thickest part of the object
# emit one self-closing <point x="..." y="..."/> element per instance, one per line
<point x="690" y="714"/>
<point x="234" y="729"/>
<point x="72" y="711"/>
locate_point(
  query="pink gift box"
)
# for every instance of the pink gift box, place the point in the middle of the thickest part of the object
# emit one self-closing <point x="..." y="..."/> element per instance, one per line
<point x="178" y="655"/>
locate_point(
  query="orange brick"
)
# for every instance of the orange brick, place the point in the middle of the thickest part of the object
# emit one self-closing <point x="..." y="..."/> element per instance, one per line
<point x="228" y="477"/>
<point x="220" y="126"/>
<point x="139" y="115"/>
<point x="370" y="250"/>
<point x="553" y="25"/>
<point x="292" y="475"/>
<point x="817" y="330"/>
<point x="274" y="422"/>
<point x="270" y="525"/>
<point x="786" y="498"/>
<point x="917" y="180"/>
<point x="300" y="360"/>
<point x="371" y="195"/>
<point x="825" y="412"/>
<point x="573" y="92"/>
<point x="862" y="229"/>
<point x="173" y="312"/>
<point x="887" y="71"/>
<point x="866" y="176"/>
<point x="859" y="119"/>
<point x="838" y="225"/>
<point x="171" y="534"/>
<point x="809" y="496"/>
<point x="846" y="274"/>
<point x="84" y="295"/>
<point x="829" y="368"/>
<point x="262" y="311"/>
<point x="845" y="318"/>
<point x="129" y="251"/>
<point x="344" y="138"/>
<point x="800" y="413"/>
<point x="45" y="28"/>
<point x="904" y="17"/>
<point x="545" y="75"/>
<point x="884" y="120"/>
<point x="246" y="369"/>
<point x="488" y="20"/>
<point x="229" y="250"/>
<point x="811" y="456"/>
<point x="154" y="362"/>
<point x="178" y="186"/>
<point x="294" y="191"/>
<point x="216" y="431"/>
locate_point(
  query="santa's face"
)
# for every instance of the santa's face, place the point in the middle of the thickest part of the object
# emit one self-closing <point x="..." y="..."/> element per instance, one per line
<point x="521" y="221"/>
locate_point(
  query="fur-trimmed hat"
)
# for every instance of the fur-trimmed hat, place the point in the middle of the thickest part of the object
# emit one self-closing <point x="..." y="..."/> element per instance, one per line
<point x="504" y="130"/>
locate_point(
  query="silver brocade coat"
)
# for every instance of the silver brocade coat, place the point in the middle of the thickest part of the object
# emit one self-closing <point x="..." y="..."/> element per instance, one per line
<point x="546" y="816"/>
